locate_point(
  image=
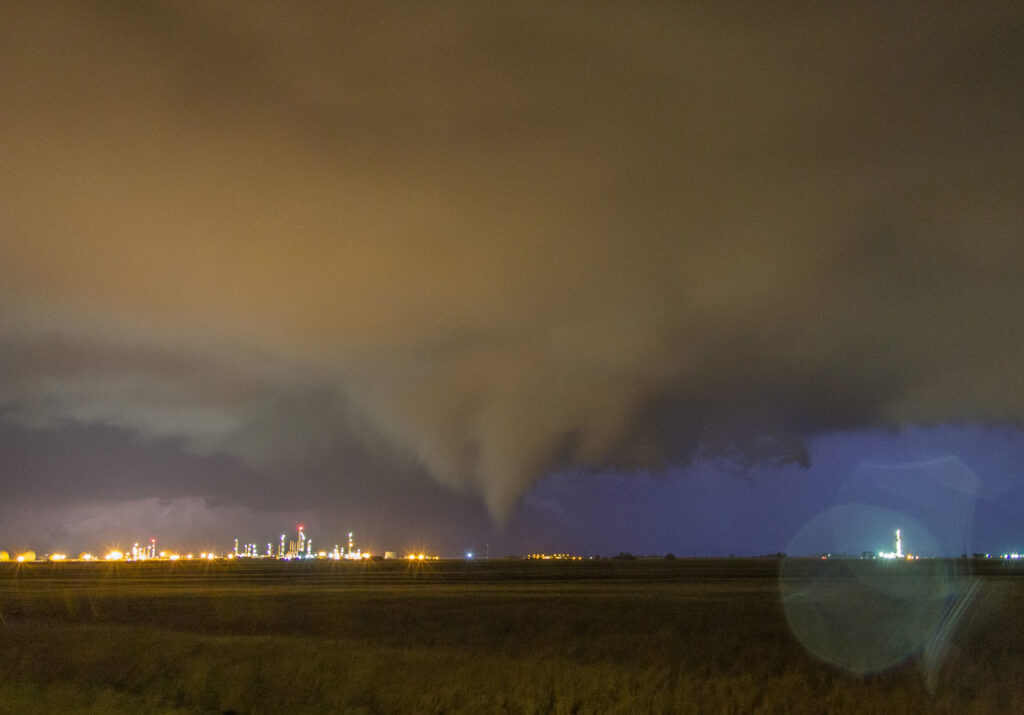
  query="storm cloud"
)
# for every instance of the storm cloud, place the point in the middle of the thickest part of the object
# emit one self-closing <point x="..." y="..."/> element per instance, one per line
<point x="487" y="241"/>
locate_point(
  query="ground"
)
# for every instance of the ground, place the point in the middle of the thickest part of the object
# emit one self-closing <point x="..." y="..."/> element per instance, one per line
<point x="457" y="636"/>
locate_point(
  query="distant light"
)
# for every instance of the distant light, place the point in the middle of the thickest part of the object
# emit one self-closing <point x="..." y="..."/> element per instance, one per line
<point x="175" y="557"/>
<point x="21" y="558"/>
<point x="114" y="556"/>
<point x="469" y="554"/>
<point x="58" y="557"/>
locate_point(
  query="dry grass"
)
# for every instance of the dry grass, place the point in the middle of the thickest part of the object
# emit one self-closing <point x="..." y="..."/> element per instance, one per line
<point x="685" y="636"/>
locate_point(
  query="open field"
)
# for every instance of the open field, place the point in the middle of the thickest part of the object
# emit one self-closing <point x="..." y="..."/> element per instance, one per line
<point x="498" y="636"/>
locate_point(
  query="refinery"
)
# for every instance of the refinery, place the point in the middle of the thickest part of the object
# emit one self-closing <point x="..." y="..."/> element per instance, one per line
<point x="284" y="549"/>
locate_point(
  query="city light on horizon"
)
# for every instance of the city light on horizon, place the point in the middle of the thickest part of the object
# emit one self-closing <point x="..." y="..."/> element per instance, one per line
<point x="300" y="549"/>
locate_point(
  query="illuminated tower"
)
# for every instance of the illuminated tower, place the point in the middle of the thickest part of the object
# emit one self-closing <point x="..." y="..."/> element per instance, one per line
<point x="309" y="548"/>
<point x="302" y="540"/>
<point x="350" y="542"/>
<point x="236" y="547"/>
<point x="899" y="545"/>
<point x="280" y="550"/>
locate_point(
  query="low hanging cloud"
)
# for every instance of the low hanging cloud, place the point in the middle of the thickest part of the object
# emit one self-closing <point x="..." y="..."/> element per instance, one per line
<point x="491" y="241"/>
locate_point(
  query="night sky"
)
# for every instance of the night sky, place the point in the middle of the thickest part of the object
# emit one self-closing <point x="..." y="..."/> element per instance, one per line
<point x="589" y="277"/>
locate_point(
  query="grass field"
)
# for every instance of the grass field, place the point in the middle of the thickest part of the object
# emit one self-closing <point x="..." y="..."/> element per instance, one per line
<point x="497" y="636"/>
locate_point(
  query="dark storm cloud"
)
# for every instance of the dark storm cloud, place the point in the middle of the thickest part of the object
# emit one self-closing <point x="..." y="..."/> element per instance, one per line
<point x="73" y="463"/>
<point x="501" y="240"/>
<point x="87" y="486"/>
<point x="276" y="423"/>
